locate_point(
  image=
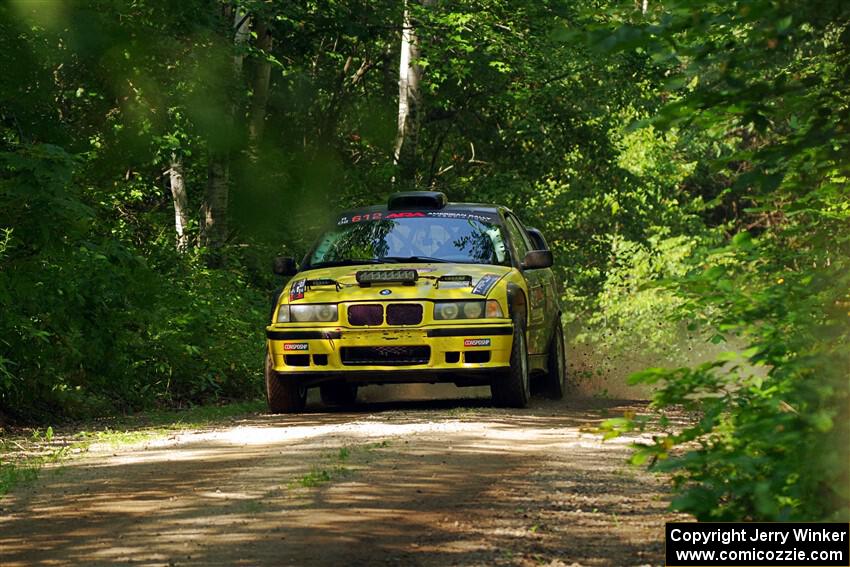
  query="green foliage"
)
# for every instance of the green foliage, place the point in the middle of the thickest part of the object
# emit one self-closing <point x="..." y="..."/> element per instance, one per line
<point x="20" y="462"/>
<point x="773" y="427"/>
<point x="91" y="326"/>
<point x="760" y="81"/>
<point x="635" y="315"/>
<point x="13" y="474"/>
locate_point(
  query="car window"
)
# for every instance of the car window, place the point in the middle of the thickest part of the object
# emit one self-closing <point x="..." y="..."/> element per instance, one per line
<point x="459" y="238"/>
<point x="537" y="240"/>
<point x="499" y="246"/>
<point x="518" y="237"/>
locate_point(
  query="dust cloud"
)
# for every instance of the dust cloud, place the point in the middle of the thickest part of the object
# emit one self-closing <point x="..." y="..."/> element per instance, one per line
<point x="598" y="370"/>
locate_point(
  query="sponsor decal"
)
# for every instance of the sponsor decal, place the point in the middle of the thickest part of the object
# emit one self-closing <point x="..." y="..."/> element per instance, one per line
<point x="360" y="218"/>
<point x="405" y="215"/>
<point x="367" y="217"/>
<point x="484" y="285"/>
<point x="476" y="342"/>
<point x="385" y="292"/>
<point x="463" y="215"/>
<point x="296" y="346"/>
<point x="297" y="290"/>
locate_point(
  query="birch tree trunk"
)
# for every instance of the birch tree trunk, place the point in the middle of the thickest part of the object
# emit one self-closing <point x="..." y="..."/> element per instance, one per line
<point x="241" y="33"/>
<point x="181" y="202"/>
<point x="409" y="100"/>
<point x="216" y="196"/>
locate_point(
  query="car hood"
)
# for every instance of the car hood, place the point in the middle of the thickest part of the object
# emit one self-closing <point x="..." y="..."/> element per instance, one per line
<point x="315" y="290"/>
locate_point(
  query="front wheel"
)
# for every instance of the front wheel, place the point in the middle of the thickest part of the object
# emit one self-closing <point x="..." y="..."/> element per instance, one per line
<point x="284" y="395"/>
<point x="513" y="389"/>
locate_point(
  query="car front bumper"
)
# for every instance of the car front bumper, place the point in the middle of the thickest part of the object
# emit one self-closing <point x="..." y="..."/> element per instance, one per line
<point x="462" y="354"/>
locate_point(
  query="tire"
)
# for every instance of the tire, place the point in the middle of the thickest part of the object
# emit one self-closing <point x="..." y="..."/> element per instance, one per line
<point x="339" y="394"/>
<point x="554" y="382"/>
<point x="513" y="389"/>
<point x="283" y="395"/>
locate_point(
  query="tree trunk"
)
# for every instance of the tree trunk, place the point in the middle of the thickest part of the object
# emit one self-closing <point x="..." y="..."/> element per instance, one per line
<point x="241" y="33"/>
<point x="181" y="202"/>
<point x="409" y="100"/>
<point x="214" y="209"/>
<point x="262" y="76"/>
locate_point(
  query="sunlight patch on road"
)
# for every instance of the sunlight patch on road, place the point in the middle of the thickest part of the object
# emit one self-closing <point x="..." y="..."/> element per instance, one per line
<point x="482" y="435"/>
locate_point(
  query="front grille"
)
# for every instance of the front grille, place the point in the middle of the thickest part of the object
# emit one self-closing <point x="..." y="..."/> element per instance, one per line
<point x="360" y="315"/>
<point x="404" y="314"/>
<point x="385" y="355"/>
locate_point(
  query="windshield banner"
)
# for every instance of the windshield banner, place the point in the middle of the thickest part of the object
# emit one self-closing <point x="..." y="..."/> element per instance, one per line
<point x="376" y="216"/>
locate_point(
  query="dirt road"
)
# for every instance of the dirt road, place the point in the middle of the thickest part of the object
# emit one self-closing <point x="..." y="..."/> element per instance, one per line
<point x="417" y="483"/>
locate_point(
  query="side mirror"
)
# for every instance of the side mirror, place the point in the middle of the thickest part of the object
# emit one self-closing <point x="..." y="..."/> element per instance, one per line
<point x="537" y="238"/>
<point x="537" y="259"/>
<point x="285" y="266"/>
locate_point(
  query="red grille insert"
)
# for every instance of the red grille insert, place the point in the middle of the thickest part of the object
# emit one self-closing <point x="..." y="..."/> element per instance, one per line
<point x="404" y="314"/>
<point x="360" y="315"/>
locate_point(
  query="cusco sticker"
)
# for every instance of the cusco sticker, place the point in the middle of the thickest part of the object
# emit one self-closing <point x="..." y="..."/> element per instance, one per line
<point x="484" y="285"/>
<point x="296" y="346"/>
<point x="297" y="290"/>
<point x="476" y="342"/>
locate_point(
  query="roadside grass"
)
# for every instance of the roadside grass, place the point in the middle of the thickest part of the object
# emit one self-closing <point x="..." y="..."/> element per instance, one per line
<point x="128" y="430"/>
<point x="25" y="452"/>
<point x="333" y="466"/>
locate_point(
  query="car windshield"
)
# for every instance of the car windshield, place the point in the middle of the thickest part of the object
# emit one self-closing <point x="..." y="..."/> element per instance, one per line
<point x="411" y="237"/>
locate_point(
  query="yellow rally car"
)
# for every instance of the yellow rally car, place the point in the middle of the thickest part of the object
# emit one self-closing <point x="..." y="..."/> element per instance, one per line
<point x="418" y="290"/>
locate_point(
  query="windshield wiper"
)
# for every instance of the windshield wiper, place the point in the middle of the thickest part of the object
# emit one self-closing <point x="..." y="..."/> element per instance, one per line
<point x="346" y="262"/>
<point x="414" y="259"/>
<point x="384" y="260"/>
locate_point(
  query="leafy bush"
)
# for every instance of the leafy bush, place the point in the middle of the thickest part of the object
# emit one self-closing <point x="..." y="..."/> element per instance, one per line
<point x="774" y="425"/>
<point x="89" y="326"/>
<point x="758" y="85"/>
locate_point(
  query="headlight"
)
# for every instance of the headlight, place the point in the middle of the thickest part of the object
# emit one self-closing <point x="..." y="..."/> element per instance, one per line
<point x="467" y="310"/>
<point x="323" y="313"/>
<point x="446" y="310"/>
<point x="473" y="309"/>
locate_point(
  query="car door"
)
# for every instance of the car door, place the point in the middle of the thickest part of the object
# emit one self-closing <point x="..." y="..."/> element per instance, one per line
<point x="551" y="288"/>
<point x="536" y="281"/>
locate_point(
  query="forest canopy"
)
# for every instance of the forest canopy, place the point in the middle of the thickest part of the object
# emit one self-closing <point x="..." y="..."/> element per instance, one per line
<point x="687" y="161"/>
